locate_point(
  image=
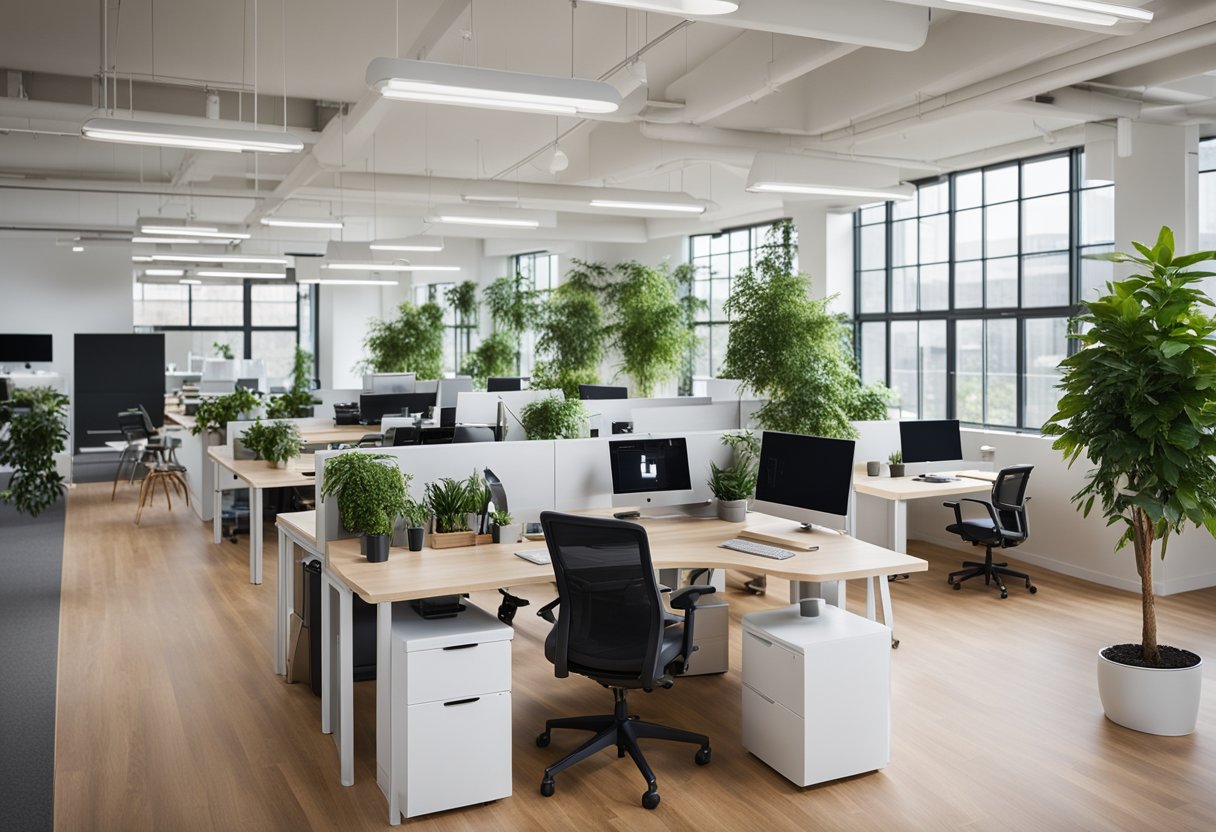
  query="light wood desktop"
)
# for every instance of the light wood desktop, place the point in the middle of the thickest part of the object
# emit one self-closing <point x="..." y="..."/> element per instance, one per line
<point x="898" y="490"/>
<point x="674" y="542"/>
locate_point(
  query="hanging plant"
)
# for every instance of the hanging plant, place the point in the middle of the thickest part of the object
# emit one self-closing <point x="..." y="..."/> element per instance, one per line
<point x="35" y="420"/>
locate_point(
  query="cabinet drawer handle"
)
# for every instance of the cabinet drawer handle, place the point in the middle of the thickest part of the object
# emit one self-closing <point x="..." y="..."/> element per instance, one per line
<point x="762" y="696"/>
<point x="763" y="641"/>
<point x="461" y="701"/>
<point x="461" y="646"/>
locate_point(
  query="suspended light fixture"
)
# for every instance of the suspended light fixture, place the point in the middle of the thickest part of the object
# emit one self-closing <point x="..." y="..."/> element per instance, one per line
<point x="1085" y="12"/>
<point x="386" y="267"/>
<point x="241" y="275"/>
<point x="640" y="205"/>
<point x="408" y="244"/>
<point x="300" y="222"/>
<point x="321" y="281"/>
<point x="162" y="228"/>
<point x="164" y="272"/>
<point x="776" y="173"/>
<point x="190" y="281"/>
<point x="226" y="139"/>
<point x="248" y="259"/>
<point x="703" y="8"/>
<point x="429" y="82"/>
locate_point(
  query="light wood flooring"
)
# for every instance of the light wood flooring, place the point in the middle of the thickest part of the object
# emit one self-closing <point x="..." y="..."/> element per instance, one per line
<point x="170" y="717"/>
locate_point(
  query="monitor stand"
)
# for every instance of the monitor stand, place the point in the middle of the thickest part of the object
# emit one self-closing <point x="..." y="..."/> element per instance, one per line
<point x="786" y="534"/>
<point x="706" y="508"/>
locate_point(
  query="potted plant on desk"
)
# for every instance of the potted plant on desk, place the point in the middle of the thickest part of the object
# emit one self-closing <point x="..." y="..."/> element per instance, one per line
<point x="371" y="496"/>
<point x="505" y="530"/>
<point x="213" y="415"/>
<point x="734" y="484"/>
<point x="416" y="515"/>
<point x="447" y="500"/>
<point x="896" y="459"/>
<point x="1140" y="403"/>
<point x="277" y="443"/>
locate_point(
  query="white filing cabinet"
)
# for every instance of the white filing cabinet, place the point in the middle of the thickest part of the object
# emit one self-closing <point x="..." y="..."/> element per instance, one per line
<point x="451" y="719"/>
<point x="817" y="693"/>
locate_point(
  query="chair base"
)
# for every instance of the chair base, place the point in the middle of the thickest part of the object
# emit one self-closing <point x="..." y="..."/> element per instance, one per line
<point x="623" y="730"/>
<point x="991" y="572"/>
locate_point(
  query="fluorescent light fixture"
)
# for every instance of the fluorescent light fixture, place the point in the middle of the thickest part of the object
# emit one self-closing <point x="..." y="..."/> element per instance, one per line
<point x="227" y="139"/>
<point x="677" y="7"/>
<point x="77" y="249"/>
<point x="190" y="281"/>
<point x="185" y="241"/>
<point x="164" y="272"/>
<point x="292" y="222"/>
<point x="780" y="173"/>
<point x="226" y="273"/>
<point x="155" y="227"/>
<point x="469" y="86"/>
<point x="504" y="222"/>
<point x="387" y="267"/>
<point x="1116" y="9"/>
<point x="826" y="190"/>
<point x="408" y="244"/>
<point x="247" y="259"/>
<point x="490" y="199"/>
<point x="675" y="207"/>
<point x="1047" y="12"/>
<point x="320" y="281"/>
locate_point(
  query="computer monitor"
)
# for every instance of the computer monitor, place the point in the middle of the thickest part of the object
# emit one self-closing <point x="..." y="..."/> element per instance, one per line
<point x="389" y="382"/>
<point x="601" y="391"/>
<point x="25" y="349"/>
<point x="807" y="479"/>
<point x="449" y="388"/>
<point x="375" y="406"/>
<point x="504" y="385"/>
<point x="930" y="440"/>
<point x="650" y="472"/>
<point x="247" y="384"/>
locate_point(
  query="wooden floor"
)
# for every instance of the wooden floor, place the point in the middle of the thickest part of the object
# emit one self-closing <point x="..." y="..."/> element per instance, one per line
<point x="170" y="717"/>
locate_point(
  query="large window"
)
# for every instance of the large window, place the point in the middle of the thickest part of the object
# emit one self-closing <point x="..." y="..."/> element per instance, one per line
<point x="963" y="293"/>
<point x="256" y="320"/>
<point x="539" y="271"/>
<point x="718" y="259"/>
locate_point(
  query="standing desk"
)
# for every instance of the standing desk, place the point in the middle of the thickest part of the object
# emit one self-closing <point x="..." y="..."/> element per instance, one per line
<point x="296" y="529"/>
<point x="897" y="491"/>
<point x="674" y="543"/>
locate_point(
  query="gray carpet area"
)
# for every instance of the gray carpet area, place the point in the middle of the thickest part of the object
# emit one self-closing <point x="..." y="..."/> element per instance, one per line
<point x="31" y="565"/>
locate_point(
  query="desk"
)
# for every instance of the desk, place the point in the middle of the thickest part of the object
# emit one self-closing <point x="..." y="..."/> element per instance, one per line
<point x="674" y="543"/>
<point x="296" y="528"/>
<point x="898" y="490"/>
<point x="258" y="475"/>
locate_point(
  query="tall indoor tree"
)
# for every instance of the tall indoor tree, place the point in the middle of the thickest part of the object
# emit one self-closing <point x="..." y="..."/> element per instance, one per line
<point x="462" y="299"/>
<point x="649" y="324"/>
<point x="571" y="332"/>
<point x="410" y="342"/>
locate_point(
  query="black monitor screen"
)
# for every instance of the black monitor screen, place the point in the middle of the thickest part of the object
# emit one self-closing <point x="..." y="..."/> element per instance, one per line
<point x="375" y="406"/>
<point x="641" y="465"/>
<point x="25" y="348"/>
<point x="930" y="441"/>
<point x="807" y="472"/>
<point x="503" y="385"/>
<point x="602" y="391"/>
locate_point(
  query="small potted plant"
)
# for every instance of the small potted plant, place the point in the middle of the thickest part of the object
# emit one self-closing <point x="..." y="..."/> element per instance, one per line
<point x="249" y="444"/>
<point x="734" y="484"/>
<point x="447" y="500"/>
<point x="897" y="463"/>
<point x="477" y="505"/>
<point x="416" y="515"/>
<point x="213" y="415"/>
<point x="277" y="443"/>
<point x="371" y="496"/>
<point x="505" y="530"/>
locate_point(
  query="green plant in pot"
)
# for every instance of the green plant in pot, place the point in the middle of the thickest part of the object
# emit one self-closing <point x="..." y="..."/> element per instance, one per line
<point x="477" y="501"/>
<point x="553" y="418"/>
<point x="416" y="515"/>
<point x="222" y="350"/>
<point x="298" y="402"/>
<point x="571" y="333"/>
<point x="896" y="461"/>
<point x="35" y="420"/>
<point x="277" y="442"/>
<point x="213" y="415"/>
<point x="448" y="501"/>
<point x="1139" y="402"/>
<point x="371" y="495"/>
<point x="504" y="528"/>
<point x="733" y="485"/>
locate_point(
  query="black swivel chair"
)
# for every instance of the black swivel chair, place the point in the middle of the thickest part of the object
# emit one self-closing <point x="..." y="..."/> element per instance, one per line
<point x="472" y="433"/>
<point x="612" y="627"/>
<point x="1006" y="526"/>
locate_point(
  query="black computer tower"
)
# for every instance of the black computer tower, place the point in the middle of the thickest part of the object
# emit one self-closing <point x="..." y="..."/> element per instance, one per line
<point x="364" y="633"/>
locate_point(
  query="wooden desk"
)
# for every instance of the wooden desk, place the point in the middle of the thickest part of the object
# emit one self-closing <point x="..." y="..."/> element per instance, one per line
<point x="675" y="543"/>
<point x="296" y="528"/>
<point x="898" y="490"/>
<point x="180" y="419"/>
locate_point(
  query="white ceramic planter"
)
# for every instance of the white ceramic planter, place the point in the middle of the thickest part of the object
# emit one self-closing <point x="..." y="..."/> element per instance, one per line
<point x="1148" y="699"/>
<point x="732" y="511"/>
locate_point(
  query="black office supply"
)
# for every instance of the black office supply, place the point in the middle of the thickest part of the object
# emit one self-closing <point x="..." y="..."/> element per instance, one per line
<point x="1007" y="525"/>
<point x="934" y="440"/>
<point x="447" y="417"/>
<point x="309" y="473"/>
<point x="801" y="476"/>
<point x="504" y="384"/>
<point x="439" y="606"/>
<point x="346" y="413"/>
<point x="373" y="407"/>
<point x="25" y="349"/>
<point x="622" y="427"/>
<point x="472" y="433"/>
<point x="602" y="564"/>
<point x="602" y="391"/>
<point x="626" y="515"/>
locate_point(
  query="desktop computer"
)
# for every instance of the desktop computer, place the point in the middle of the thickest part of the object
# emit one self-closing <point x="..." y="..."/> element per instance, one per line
<point x="587" y="392"/>
<point x="650" y="472"/>
<point x="807" y="479"/>
<point x="375" y="406"/>
<point x="504" y="384"/>
<point x="930" y="440"/>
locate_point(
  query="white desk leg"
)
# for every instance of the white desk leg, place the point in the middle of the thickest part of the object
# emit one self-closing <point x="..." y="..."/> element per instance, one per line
<point x="386" y="774"/>
<point x="217" y="506"/>
<point x="346" y="688"/>
<point x="328" y="633"/>
<point x="899" y="526"/>
<point x="255" y="535"/>
<point x="888" y="618"/>
<point x="280" y="606"/>
<point x="870" y="581"/>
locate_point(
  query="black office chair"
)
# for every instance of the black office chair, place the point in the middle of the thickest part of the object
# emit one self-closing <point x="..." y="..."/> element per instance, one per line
<point x="612" y="627"/>
<point x="472" y="433"/>
<point x="1006" y="526"/>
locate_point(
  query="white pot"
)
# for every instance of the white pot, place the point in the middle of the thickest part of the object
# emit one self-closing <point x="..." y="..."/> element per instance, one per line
<point x="1163" y="701"/>
<point x="281" y="463"/>
<point x="732" y="511"/>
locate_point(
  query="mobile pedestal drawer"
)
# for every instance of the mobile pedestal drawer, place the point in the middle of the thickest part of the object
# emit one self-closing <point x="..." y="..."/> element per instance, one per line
<point x="817" y="693"/>
<point x="451" y="714"/>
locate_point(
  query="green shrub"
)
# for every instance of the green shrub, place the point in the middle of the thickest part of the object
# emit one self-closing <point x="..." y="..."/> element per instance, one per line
<point x="411" y="342"/>
<point x="370" y="488"/>
<point x="35" y="420"/>
<point x="277" y="442"/>
<point x="553" y="418"/>
<point x="448" y="501"/>
<point x="214" y="414"/>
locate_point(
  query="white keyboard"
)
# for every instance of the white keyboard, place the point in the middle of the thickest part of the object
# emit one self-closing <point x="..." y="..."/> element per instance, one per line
<point x="753" y="548"/>
<point x="534" y="555"/>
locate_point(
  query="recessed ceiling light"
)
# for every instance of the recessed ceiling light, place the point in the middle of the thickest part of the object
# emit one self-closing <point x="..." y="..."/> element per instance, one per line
<point x="229" y="140"/>
<point x="292" y="222"/>
<point x="77" y="249"/>
<point x="164" y="272"/>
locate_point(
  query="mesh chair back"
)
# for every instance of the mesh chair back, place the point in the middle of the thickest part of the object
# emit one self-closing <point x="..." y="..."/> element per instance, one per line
<point x="1009" y="497"/>
<point x="611" y="614"/>
<point x="131" y="423"/>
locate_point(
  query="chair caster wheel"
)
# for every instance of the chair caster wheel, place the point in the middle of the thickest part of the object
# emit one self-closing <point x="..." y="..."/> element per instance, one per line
<point x="1033" y="589"/>
<point x="1004" y="595"/>
<point x="542" y="739"/>
<point x="650" y="800"/>
<point x="957" y="585"/>
<point x="702" y="756"/>
<point x="894" y="644"/>
<point x="547" y="787"/>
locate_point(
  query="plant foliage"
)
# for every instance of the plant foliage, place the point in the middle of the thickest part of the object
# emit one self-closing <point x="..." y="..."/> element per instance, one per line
<point x="415" y="513"/>
<point x="571" y="333"/>
<point x="215" y="414"/>
<point x="296" y="403"/>
<point x="35" y="420"/>
<point x="500" y="518"/>
<point x="791" y="349"/>
<point x="553" y="418"/>
<point x="738" y="480"/>
<point x="495" y="356"/>
<point x="649" y="326"/>
<point x="512" y="303"/>
<point x="448" y="501"/>
<point x="278" y="441"/>
<point x="370" y="488"/>
<point x="410" y="342"/>
<point x="222" y="350"/>
<point x="1139" y="401"/>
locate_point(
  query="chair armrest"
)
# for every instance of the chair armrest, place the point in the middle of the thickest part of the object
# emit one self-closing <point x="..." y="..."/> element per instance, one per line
<point x="546" y="612"/>
<point x="686" y="598"/>
<point x="992" y="515"/>
<point x="953" y="504"/>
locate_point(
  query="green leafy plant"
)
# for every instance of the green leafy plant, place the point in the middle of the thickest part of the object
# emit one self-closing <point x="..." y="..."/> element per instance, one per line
<point x="512" y="304"/>
<point x="35" y="420"/>
<point x="737" y="481"/>
<point x="476" y="493"/>
<point x="296" y="403"/>
<point x="553" y="418"/>
<point x="571" y="332"/>
<point x="278" y="441"/>
<point x="791" y="349"/>
<point x="410" y="342"/>
<point x="222" y="350"/>
<point x="415" y="513"/>
<point x="448" y="501"/>
<point x="462" y="299"/>
<point x="370" y="489"/>
<point x="495" y="356"/>
<point x="215" y="414"/>
<point x="896" y="458"/>
<point x="1139" y="401"/>
<point x="500" y="518"/>
<point x="649" y="326"/>
<point x="254" y="436"/>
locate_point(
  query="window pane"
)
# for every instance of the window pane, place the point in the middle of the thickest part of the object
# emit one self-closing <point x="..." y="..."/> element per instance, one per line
<point x="719" y="244"/>
<point x="218" y="305"/>
<point x="1045" y="280"/>
<point x="700" y="245"/>
<point x="968" y="240"/>
<point x="1001" y="283"/>
<point x="904" y="367"/>
<point x="718" y="293"/>
<point x="1046" y="347"/>
<point x="161" y="304"/>
<point x="903" y="208"/>
<point x="969" y="285"/>
<point x="969" y="372"/>
<point x="273" y="305"/>
<point x="701" y="361"/>
<point x="1098" y="216"/>
<point x="903" y="290"/>
<point x="721" y="337"/>
<point x="903" y="243"/>
<point x="202" y="342"/>
<point x="873" y="292"/>
<point x="701" y="290"/>
<point x="934" y="199"/>
<point x="935" y="239"/>
<point x="278" y="350"/>
<point x="1001" y="230"/>
<point x="1049" y="176"/>
<point x="1045" y="223"/>
<point x="968" y="190"/>
<point x="1000" y="378"/>
<point x="933" y="369"/>
<point x="873" y="247"/>
<point x="873" y="352"/>
<point x="935" y="286"/>
<point x="874" y="213"/>
<point x="741" y="239"/>
<point x="1000" y="184"/>
<point x="1095" y="274"/>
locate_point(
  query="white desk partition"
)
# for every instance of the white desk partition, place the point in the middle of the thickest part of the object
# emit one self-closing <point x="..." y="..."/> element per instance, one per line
<point x="723" y="415"/>
<point x="482" y="408"/>
<point x="329" y="397"/>
<point x="604" y="412"/>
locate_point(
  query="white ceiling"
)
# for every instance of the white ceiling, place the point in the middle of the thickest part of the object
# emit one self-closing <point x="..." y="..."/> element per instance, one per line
<point x="828" y="96"/>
